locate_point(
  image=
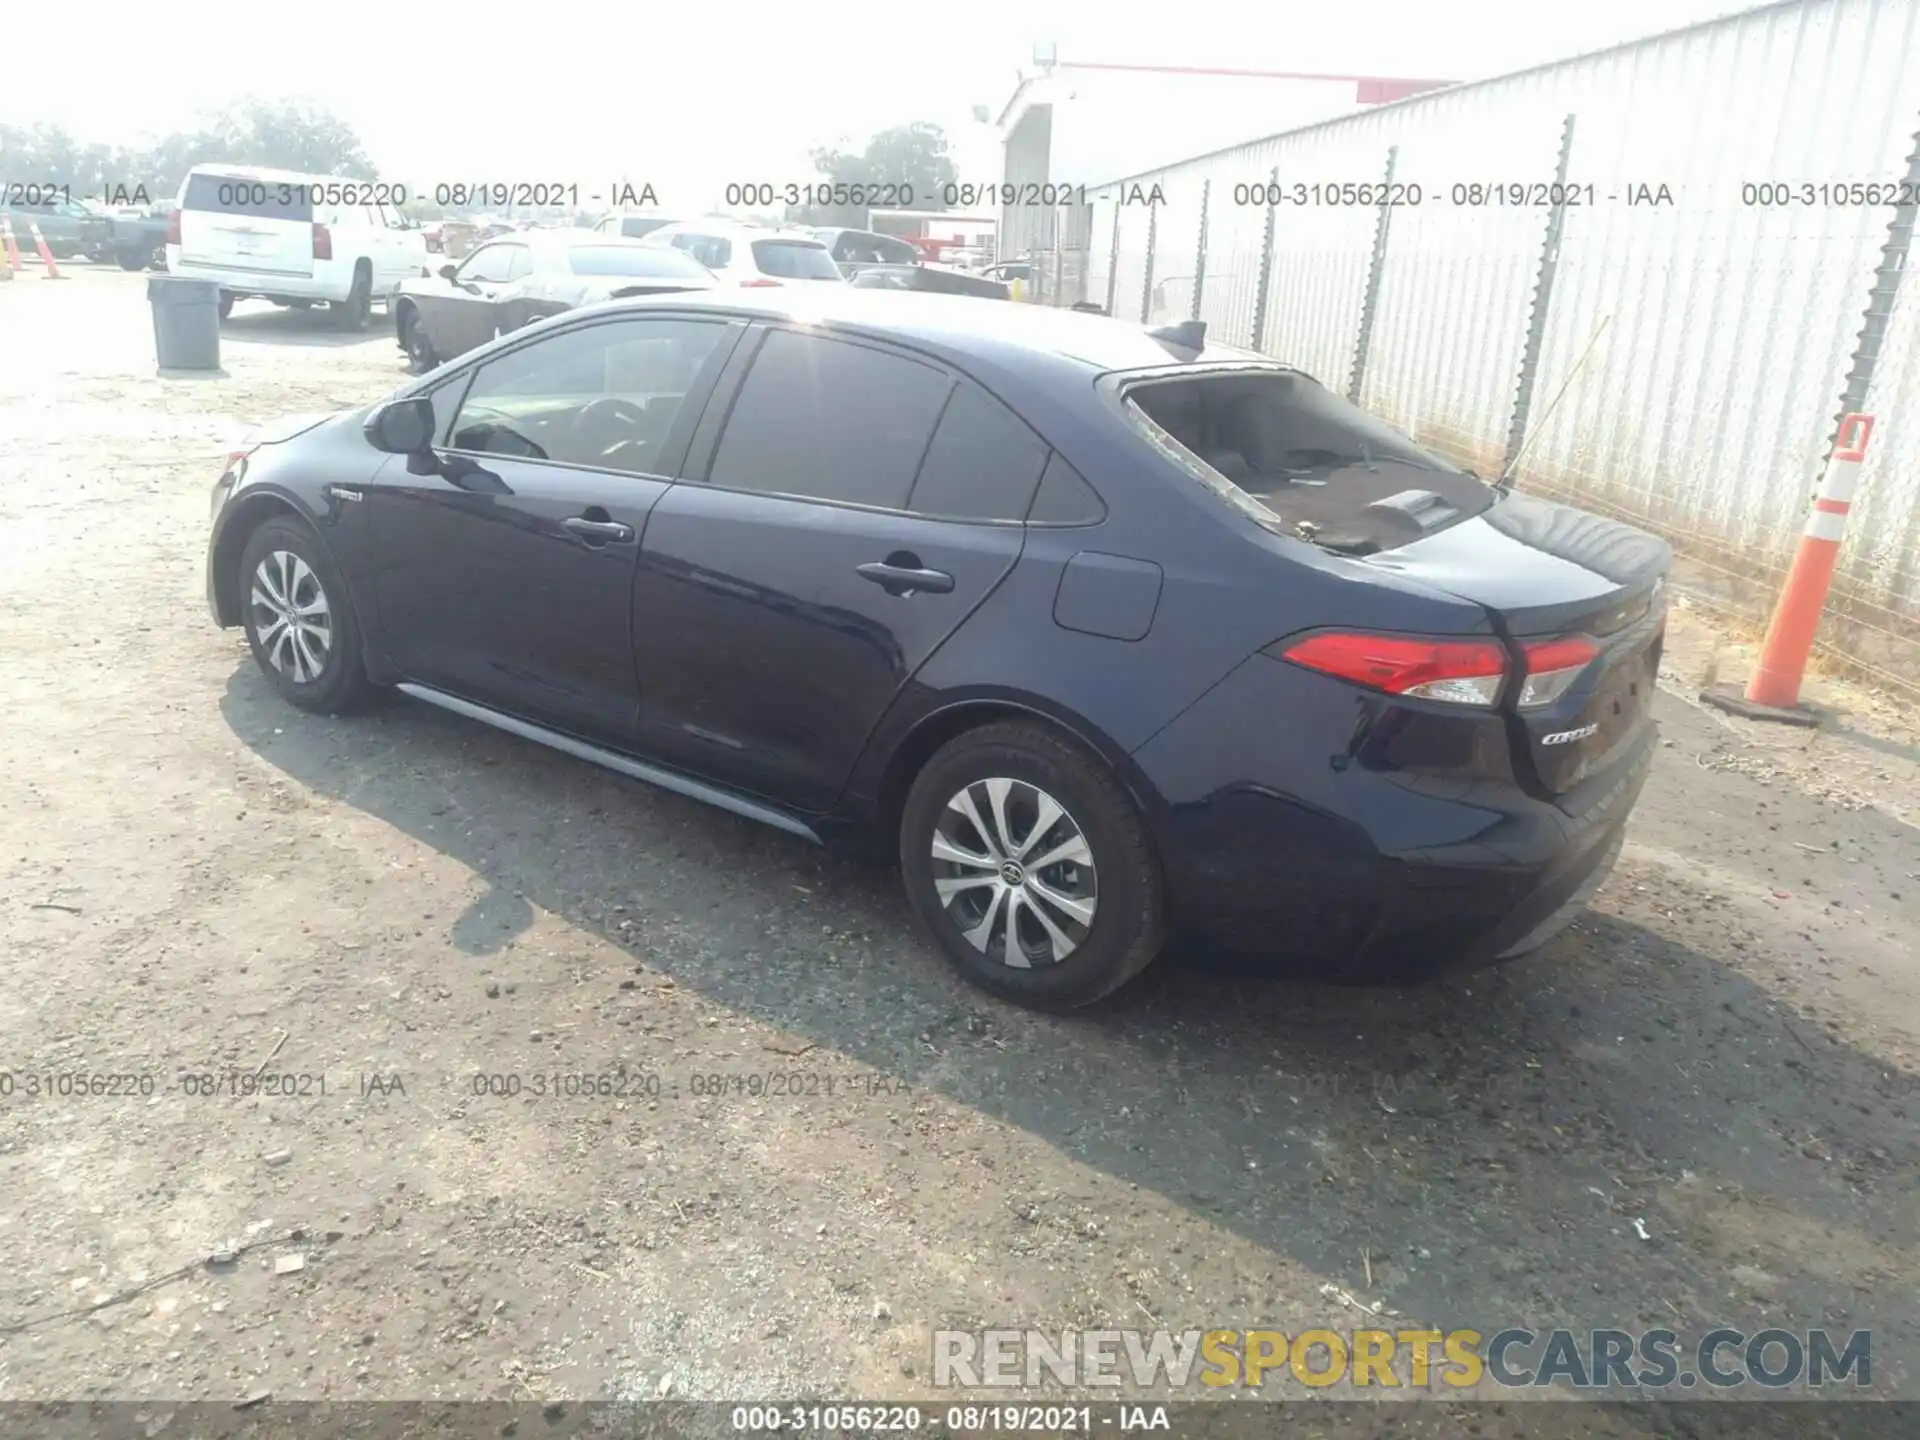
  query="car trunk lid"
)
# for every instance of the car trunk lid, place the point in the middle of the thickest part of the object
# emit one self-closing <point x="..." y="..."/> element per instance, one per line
<point x="240" y="223"/>
<point x="1550" y="578"/>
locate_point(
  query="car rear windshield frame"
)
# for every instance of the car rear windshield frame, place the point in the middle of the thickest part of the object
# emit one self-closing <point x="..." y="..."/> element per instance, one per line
<point x="1126" y="387"/>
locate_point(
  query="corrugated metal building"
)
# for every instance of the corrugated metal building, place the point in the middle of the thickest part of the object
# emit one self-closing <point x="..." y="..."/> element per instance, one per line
<point x="1702" y="237"/>
<point x="1071" y="124"/>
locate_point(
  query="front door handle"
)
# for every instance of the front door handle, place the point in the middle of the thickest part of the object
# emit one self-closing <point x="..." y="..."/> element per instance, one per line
<point x="902" y="574"/>
<point x="598" y="532"/>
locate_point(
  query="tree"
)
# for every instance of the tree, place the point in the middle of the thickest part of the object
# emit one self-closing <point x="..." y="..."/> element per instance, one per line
<point x="910" y="161"/>
<point x="283" y="135"/>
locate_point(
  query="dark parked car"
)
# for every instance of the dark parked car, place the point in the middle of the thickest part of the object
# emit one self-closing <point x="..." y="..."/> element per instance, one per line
<point x="140" y="235"/>
<point x="527" y="276"/>
<point x="70" y="227"/>
<point x="1111" y="632"/>
<point x="931" y="279"/>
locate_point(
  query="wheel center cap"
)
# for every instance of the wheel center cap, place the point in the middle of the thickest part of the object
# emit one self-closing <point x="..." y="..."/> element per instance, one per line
<point x="1012" y="872"/>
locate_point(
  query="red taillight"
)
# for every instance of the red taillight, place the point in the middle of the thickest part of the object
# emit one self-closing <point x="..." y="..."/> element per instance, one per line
<point x="322" y="242"/>
<point x="1552" y="666"/>
<point x="1466" y="672"/>
<point x="173" y="227"/>
<point x="756" y="284"/>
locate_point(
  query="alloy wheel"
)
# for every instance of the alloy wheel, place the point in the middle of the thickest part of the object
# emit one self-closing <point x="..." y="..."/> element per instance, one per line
<point x="1014" y="872"/>
<point x="291" y="616"/>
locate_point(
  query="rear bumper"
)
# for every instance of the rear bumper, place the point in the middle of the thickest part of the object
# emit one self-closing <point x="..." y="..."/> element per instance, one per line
<point x="1284" y="838"/>
<point x="326" y="283"/>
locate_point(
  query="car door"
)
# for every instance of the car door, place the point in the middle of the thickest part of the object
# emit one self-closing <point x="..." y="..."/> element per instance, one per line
<point x="506" y="577"/>
<point x="788" y="588"/>
<point x="465" y="315"/>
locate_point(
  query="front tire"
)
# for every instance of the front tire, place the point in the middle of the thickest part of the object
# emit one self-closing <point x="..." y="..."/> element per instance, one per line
<point x="299" y="620"/>
<point x="413" y="339"/>
<point x="1032" y="867"/>
<point x="352" y="313"/>
<point x="226" y="305"/>
<point x="133" y="259"/>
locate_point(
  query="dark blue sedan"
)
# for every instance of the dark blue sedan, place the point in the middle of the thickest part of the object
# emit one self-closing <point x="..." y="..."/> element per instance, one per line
<point x="1116" y="633"/>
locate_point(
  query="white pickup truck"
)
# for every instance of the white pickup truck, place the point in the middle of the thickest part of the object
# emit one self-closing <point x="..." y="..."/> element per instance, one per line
<point x="294" y="239"/>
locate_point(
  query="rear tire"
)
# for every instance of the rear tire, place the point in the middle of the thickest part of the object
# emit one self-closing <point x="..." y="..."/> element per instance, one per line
<point x="352" y="313"/>
<point x="133" y="259"/>
<point x="226" y="305"/>
<point x="981" y="812"/>
<point x="299" y="620"/>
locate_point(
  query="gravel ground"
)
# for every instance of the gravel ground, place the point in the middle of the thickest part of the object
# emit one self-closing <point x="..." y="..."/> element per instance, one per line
<point x="199" y="880"/>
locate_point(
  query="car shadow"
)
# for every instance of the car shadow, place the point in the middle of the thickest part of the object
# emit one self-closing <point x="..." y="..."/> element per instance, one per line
<point x="1620" y="1132"/>
<point x="260" y="322"/>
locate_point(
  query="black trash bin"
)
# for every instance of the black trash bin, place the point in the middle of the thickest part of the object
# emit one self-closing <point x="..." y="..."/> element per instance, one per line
<point x="186" y="322"/>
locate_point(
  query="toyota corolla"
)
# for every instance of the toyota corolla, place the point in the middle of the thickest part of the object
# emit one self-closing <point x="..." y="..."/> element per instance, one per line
<point x="1114" y="634"/>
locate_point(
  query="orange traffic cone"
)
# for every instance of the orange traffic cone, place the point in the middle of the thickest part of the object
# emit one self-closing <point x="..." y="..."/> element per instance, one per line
<point x="13" y="250"/>
<point x="1774" y="691"/>
<point x="46" y="255"/>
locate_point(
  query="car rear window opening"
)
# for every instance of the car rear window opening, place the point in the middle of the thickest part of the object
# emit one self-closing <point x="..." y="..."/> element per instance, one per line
<point x="794" y="260"/>
<point x="1322" y="467"/>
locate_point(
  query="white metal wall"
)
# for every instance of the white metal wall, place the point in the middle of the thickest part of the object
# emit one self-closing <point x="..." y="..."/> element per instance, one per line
<point x="1725" y="328"/>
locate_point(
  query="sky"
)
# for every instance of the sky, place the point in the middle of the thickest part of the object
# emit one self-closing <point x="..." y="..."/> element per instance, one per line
<point x="693" y="97"/>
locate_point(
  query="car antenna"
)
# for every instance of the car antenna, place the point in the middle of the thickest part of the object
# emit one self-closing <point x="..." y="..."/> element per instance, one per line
<point x="1505" y="480"/>
<point x="1187" y="335"/>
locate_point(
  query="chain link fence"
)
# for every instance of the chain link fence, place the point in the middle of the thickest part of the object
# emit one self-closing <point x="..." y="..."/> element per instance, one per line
<point x="1650" y="278"/>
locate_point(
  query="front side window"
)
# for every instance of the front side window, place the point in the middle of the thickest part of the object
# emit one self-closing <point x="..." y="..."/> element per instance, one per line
<point x="489" y="265"/>
<point x="829" y="420"/>
<point x="610" y="396"/>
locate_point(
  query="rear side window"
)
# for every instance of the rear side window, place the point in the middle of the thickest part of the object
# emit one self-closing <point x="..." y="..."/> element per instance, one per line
<point x="794" y="260"/>
<point x="829" y="420"/>
<point x="1065" y="499"/>
<point x="983" y="464"/>
<point x="255" y="199"/>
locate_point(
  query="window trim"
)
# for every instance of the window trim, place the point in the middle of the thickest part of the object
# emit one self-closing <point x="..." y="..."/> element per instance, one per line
<point x="703" y="396"/>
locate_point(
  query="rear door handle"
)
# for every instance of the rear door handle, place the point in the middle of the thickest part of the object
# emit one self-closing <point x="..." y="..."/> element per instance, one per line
<point x="598" y="532"/>
<point x="901" y="574"/>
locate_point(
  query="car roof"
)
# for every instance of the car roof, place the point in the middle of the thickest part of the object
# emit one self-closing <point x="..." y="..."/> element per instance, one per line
<point x="736" y="229"/>
<point x="259" y="172"/>
<point x="1010" y="337"/>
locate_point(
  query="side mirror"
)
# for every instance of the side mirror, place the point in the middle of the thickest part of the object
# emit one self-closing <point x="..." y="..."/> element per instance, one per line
<point x="447" y="272"/>
<point x="402" y="427"/>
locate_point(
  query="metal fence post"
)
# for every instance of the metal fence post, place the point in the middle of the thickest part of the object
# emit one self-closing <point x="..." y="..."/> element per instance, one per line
<point x="1146" y="290"/>
<point x="1261" y="286"/>
<point x="1886" y="284"/>
<point x="1542" y="298"/>
<point x="1371" y="303"/>
<point x="1113" y="258"/>
<point x="1200" y="262"/>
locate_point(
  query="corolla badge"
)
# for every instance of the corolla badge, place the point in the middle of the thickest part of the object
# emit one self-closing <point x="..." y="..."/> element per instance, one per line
<point x="1567" y="737"/>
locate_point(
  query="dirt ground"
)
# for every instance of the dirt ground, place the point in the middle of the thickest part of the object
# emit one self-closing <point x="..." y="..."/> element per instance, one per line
<point x="201" y="882"/>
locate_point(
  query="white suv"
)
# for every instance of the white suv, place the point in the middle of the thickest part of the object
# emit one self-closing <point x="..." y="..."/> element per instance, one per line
<point x="293" y="239"/>
<point x="752" y="254"/>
